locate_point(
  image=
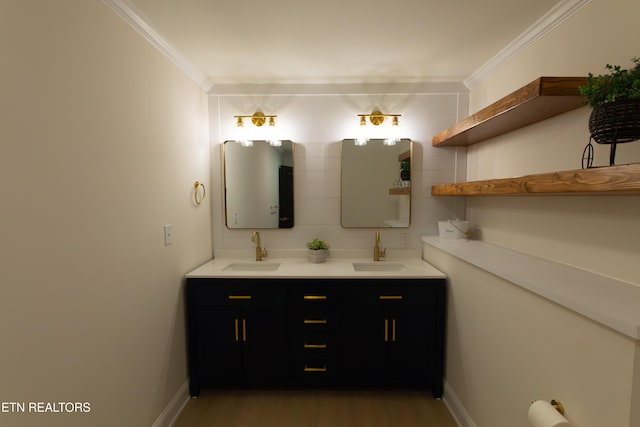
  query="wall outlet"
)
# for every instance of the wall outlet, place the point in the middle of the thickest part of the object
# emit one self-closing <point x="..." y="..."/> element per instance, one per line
<point x="168" y="234"/>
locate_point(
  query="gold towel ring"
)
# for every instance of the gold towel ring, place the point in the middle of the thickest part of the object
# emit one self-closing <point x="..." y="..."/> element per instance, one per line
<point x="198" y="196"/>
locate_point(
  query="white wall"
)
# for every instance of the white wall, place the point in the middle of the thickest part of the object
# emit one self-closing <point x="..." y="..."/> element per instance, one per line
<point x="596" y="232"/>
<point x="507" y="346"/>
<point x="317" y="119"/>
<point x="102" y="138"/>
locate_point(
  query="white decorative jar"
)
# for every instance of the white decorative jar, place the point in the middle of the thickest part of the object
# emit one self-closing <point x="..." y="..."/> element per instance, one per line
<point x="317" y="256"/>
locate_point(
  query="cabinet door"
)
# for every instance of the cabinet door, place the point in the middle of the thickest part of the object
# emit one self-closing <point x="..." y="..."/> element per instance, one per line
<point x="242" y="347"/>
<point x="408" y="348"/>
<point x="220" y="347"/>
<point x="364" y="354"/>
<point x="266" y="351"/>
<point x="387" y="347"/>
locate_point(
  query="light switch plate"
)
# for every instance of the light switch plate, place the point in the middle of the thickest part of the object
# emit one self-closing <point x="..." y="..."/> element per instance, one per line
<point x="168" y="234"/>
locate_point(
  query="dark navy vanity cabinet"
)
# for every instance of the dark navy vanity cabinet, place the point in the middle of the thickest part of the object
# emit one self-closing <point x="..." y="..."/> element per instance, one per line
<point x="351" y="332"/>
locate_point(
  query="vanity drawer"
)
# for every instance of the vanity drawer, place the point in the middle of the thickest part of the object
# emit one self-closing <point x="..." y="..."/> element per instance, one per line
<point x="314" y="319"/>
<point x="315" y="296"/>
<point x="314" y="344"/>
<point x="389" y="296"/>
<point x="213" y="294"/>
<point x="315" y="370"/>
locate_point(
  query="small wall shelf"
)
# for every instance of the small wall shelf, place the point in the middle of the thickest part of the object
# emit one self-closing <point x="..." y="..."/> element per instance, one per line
<point x="400" y="191"/>
<point x="541" y="99"/>
<point x="623" y="179"/>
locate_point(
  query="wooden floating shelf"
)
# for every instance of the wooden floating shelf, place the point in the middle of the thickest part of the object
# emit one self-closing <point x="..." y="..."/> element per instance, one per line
<point x="623" y="179"/>
<point x="541" y="99"/>
<point x="400" y="191"/>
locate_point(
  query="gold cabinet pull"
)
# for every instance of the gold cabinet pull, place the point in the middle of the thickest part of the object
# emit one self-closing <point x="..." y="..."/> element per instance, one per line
<point x="385" y="297"/>
<point x="386" y="330"/>
<point x="310" y="369"/>
<point x="315" y="297"/>
<point x="244" y="329"/>
<point x="239" y="296"/>
<point x="323" y="345"/>
<point x="236" y="325"/>
<point x="315" y="321"/>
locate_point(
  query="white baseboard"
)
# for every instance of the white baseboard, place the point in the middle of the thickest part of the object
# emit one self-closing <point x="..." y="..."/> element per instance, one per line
<point x="456" y="408"/>
<point x="169" y="415"/>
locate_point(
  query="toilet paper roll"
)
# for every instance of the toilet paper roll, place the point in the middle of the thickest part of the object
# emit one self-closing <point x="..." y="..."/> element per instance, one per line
<point x="542" y="414"/>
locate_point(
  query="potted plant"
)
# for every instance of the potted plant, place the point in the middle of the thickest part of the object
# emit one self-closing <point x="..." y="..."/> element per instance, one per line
<point x="318" y="251"/>
<point x="405" y="170"/>
<point x="615" y="99"/>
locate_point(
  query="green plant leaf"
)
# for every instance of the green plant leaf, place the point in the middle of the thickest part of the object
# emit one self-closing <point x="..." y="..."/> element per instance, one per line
<point x="617" y="84"/>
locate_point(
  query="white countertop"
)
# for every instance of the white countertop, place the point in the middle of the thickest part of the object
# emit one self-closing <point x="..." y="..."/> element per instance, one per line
<point x="332" y="268"/>
<point x="606" y="300"/>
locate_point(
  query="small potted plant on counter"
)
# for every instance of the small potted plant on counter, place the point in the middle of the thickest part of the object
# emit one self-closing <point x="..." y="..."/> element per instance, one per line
<point x="318" y="251"/>
<point x="615" y="99"/>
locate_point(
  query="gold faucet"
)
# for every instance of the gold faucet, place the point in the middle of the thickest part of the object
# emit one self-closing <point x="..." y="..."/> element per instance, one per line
<point x="260" y="252"/>
<point x="377" y="252"/>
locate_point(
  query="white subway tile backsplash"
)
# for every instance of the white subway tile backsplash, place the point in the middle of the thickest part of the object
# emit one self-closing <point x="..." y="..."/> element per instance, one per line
<point x="317" y="124"/>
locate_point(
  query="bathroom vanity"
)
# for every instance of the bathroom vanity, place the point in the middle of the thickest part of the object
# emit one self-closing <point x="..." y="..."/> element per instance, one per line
<point x="291" y="323"/>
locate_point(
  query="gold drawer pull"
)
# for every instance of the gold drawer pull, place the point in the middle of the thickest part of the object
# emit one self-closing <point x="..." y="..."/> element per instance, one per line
<point x="315" y="297"/>
<point x="390" y="297"/>
<point x="315" y="321"/>
<point x="239" y="296"/>
<point x="308" y="369"/>
<point x="323" y="345"/>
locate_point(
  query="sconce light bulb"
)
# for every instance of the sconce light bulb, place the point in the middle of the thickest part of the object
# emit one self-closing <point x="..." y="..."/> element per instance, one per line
<point x="239" y="122"/>
<point x="272" y="121"/>
<point x="363" y="121"/>
<point x="395" y="121"/>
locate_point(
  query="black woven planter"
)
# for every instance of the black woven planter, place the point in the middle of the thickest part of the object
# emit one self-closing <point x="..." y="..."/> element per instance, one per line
<point x="614" y="123"/>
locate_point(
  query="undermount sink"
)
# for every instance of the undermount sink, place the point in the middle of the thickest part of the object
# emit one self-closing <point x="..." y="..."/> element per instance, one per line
<point x="378" y="266"/>
<point x="252" y="266"/>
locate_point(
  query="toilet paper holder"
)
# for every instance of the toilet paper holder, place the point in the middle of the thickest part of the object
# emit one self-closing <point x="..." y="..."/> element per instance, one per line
<point x="556" y="404"/>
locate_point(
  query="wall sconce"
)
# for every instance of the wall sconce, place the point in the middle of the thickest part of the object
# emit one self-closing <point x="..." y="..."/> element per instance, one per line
<point x="377" y="118"/>
<point x="259" y="119"/>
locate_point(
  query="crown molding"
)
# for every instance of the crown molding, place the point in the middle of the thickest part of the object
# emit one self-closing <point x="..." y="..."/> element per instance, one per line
<point x="339" y="88"/>
<point x="554" y="17"/>
<point x="133" y="18"/>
